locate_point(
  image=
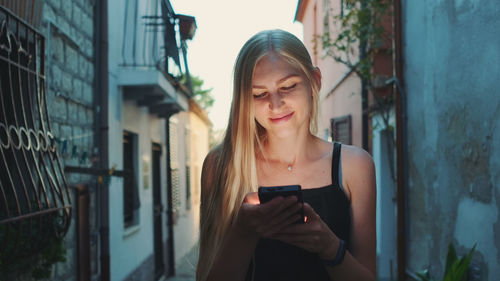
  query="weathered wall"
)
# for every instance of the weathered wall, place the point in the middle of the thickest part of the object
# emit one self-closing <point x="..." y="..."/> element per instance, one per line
<point x="68" y="27"/>
<point x="452" y="69"/>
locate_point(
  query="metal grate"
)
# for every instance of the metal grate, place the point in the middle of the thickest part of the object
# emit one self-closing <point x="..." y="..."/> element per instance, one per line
<point x="35" y="203"/>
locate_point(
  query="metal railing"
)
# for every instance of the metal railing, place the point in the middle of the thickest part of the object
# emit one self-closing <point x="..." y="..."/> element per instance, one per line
<point x="35" y="201"/>
<point x="150" y="36"/>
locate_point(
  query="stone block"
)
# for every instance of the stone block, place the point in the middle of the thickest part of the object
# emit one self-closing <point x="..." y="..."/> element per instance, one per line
<point x="57" y="49"/>
<point x="73" y="115"/>
<point x="82" y="116"/>
<point x="66" y="132"/>
<point x="55" y="78"/>
<point x="67" y="83"/>
<point x="87" y="96"/>
<point x="77" y="16"/>
<point x="63" y="26"/>
<point x="71" y="59"/>
<point x="77" y="88"/>
<point x="67" y="9"/>
<point x="89" y="6"/>
<point x="49" y="13"/>
<point x="55" y="129"/>
<point x="90" y="72"/>
<point x="87" y="25"/>
<point x="89" y="116"/>
<point x="83" y="64"/>
<point x="55" y="3"/>
<point x="88" y="48"/>
<point x="57" y="108"/>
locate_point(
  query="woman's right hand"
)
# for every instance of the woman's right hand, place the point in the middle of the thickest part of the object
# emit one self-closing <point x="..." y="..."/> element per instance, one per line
<point x="264" y="220"/>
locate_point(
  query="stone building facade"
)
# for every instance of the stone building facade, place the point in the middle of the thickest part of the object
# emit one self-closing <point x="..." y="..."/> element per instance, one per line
<point x="68" y="27"/>
<point x="68" y="30"/>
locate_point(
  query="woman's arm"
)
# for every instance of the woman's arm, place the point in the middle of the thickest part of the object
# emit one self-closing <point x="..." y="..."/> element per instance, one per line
<point x="236" y="250"/>
<point x="253" y="221"/>
<point x="359" y="179"/>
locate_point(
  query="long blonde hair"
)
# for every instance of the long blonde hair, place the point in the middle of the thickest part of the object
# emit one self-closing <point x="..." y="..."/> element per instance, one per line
<point x="235" y="174"/>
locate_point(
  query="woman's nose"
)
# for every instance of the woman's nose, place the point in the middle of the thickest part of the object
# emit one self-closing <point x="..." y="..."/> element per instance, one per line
<point x="276" y="101"/>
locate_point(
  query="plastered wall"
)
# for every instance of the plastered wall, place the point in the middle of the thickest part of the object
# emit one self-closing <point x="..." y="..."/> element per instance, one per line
<point x="452" y="72"/>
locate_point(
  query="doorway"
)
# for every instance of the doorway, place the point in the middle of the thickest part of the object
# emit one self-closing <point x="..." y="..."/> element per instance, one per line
<point x="157" y="212"/>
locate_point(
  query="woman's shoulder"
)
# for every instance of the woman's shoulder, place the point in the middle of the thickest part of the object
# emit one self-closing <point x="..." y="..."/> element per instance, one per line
<point x="358" y="169"/>
<point x="353" y="155"/>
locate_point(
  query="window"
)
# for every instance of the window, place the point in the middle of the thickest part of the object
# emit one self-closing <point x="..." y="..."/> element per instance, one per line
<point x="341" y="129"/>
<point x="131" y="201"/>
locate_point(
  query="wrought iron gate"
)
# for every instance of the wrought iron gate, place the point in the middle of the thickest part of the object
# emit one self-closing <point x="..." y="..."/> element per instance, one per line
<point x="35" y="201"/>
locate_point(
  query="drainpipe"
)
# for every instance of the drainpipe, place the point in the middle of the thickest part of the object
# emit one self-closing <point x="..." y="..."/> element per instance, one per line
<point x="401" y="144"/>
<point x="170" y="217"/>
<point x="102" y="128"/>
<point x="364" y="97"/>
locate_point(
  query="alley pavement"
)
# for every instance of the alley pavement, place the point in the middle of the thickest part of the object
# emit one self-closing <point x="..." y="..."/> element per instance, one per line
<point x="185" y="270"/>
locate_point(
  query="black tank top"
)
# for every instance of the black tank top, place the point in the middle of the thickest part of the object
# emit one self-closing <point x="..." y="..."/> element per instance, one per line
<point x="275" y="260"/>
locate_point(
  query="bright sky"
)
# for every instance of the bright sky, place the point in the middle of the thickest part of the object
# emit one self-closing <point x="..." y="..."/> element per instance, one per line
<point x="223" y="28"/>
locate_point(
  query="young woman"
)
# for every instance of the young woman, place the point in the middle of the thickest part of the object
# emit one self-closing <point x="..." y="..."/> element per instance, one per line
<point x="270" y="142"/>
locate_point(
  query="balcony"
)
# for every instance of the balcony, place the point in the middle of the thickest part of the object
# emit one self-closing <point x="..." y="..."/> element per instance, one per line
<point x="150" y="68"/>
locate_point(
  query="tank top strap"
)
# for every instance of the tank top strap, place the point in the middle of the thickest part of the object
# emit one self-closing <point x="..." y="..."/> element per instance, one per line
<point x="336" y="164"/>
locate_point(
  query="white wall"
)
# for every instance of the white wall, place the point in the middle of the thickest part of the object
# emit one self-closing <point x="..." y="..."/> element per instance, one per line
<point x="186" y="229"/>
<point x="386" y="202"/>
<point x="128" y="247"/>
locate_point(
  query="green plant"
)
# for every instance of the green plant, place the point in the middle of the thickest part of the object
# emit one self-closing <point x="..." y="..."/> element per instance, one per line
<point x="50" y="255"/>
<point x="31" y="248"/>
<point x="456" y="269"/>
<point x="202" y="96"/>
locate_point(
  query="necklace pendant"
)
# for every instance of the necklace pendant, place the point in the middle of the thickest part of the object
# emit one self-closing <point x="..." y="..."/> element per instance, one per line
<point x="289" y="168"/>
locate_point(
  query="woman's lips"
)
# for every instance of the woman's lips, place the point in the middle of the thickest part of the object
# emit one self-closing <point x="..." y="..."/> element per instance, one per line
<point x="282" y="118"/>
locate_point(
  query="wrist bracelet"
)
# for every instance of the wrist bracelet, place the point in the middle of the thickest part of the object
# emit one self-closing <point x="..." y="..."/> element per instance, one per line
<point x="339" y="257"/>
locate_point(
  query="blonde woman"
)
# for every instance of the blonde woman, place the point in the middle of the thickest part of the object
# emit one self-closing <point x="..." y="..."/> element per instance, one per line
<point x="270" y="142"/>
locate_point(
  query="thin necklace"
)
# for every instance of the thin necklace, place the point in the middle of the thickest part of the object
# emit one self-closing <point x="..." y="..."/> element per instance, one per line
<point x="290" y="165"/>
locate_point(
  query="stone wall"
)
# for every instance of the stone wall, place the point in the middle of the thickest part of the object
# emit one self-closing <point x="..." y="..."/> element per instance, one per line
<point x="452" y="65"/>
<point x="68" y="27"/>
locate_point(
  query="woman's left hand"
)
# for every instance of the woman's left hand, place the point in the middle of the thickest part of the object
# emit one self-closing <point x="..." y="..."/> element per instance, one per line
<point x="313" y="235"/>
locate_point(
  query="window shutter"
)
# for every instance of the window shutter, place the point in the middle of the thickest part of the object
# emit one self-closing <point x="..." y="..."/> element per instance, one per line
<point x="341" y="129"/>
<point x="174" y="164"/>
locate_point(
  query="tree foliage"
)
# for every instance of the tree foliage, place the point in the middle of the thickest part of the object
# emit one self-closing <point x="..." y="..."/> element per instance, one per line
<point x="359" y="35"/>
<point x="203" y="97"/>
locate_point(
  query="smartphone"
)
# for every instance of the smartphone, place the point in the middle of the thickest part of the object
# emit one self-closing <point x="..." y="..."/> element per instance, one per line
<point x="267" y="193"/>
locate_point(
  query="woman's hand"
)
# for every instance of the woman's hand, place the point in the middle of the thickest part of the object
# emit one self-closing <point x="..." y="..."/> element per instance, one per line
<point x="264" y="220"/>
<point x="313" y="236"/>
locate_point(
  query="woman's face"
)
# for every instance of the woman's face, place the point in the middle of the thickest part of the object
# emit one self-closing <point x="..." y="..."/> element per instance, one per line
<point x="281" y="96"/>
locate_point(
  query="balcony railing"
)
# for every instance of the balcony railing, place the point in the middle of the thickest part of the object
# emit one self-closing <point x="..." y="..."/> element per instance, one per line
<point x="150" y="36"/>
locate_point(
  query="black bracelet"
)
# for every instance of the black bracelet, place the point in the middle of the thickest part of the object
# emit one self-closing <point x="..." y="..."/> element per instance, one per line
<point x="339" y="257"/>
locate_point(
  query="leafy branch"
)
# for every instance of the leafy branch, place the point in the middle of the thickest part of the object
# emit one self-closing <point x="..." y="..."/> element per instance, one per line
<point x="202" y="96"/>
<point x="359" y="36"/>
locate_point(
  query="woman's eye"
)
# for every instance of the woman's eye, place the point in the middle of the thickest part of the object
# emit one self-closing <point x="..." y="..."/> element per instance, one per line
<point x="289" y="87"/>
<point x="258" y="96"/>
